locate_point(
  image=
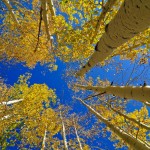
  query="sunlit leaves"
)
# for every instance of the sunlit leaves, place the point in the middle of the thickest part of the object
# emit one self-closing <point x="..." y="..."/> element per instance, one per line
<point x="33" y="110"/>
<point x="126" y="125"/>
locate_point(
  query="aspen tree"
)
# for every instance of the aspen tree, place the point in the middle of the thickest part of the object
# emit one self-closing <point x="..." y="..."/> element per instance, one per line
<point x="131" y="19"/>
<point x="78" y="139"/>
<point x="11" y="102"/>
<point x="129" y="139"/>
<point x="51" y="7"/>
<point x="140" y="124"/>
<point x="44" y="139"/>
<point x="139" y="93"/>
<point x="64" y="132"/>
<point x="37" y="120"/>
<point x="126" y="124"/>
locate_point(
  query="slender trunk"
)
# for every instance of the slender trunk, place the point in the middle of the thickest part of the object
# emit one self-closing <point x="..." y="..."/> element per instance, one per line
<point x="131" y="19"/>
<point x="130" y="140"/>
<point x="105" y="9"/>
<point x="80" y="145"/>
<point x="44" y="140"/>
<point x="11" y="102"/>
<point x="45" y="18"/>
<point x="64" y="133"/>
<point x="132" y="119"/>
<point x="141" y="93"/>
<point x="6" y="2"/>
<point x="51" y="7"/>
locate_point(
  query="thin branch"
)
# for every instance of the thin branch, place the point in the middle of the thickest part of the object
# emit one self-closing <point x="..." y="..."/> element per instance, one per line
<point x="91" y="96"/>
<point x="38" y="38"/>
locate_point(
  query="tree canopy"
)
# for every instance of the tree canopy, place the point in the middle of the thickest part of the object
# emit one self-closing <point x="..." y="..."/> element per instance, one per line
<point x="89" y="37"/>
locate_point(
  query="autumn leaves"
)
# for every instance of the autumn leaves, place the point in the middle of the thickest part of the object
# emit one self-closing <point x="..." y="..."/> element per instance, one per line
<point x="120" y="29"/>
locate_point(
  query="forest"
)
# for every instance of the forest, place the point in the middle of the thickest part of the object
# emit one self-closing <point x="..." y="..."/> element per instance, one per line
<point x="75" y="74"/>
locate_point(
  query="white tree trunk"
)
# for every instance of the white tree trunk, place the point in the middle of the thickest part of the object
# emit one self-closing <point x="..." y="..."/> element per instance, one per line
<point x="64" y="133"/>
<point x="11" y="102"/>
<point x="6" y="2"/>
<point x="44" y="140"/>
<point x="141" y="93"/>
<point x="134" y="143"/>
<point x="80" y="145"/>
<point x="51" y="7"/>
<point x="45" y="18"/>
<point x="132" y="18"/>
<point x="140" y="124"/>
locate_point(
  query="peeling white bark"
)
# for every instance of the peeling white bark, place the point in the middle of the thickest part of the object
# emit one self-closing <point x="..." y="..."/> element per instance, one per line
<point x="64" y="133"/>
<point x="140" y="124"/>
<point x="132" y="18"/>
<point x="141" y="93"/>
<point x="11" y="102"/>
<point x="134" y="143"/>
<point x="6" y="2"/>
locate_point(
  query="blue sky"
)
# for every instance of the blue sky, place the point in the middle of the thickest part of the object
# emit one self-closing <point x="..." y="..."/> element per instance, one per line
<point x="55" y="80"/>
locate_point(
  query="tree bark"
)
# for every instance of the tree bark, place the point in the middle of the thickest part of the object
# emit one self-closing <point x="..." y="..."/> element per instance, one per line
<point x="130" y="140"/>
<point x="11" y="102"/>
<point x="64" y="133"/>
<point x="51" y="7"/>
<point x="44" y="140"/>
<point x="45" y="18"/>
<point x="131" y="19"/>
<point x="141" y="93"/>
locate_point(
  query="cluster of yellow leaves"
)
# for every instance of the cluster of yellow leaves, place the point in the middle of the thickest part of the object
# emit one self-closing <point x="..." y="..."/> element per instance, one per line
<point x="20" y="42"/>
<point x="33" y="110"/>
<point x="141" y="115"/>
<point x="35" y="127"/>
<point x="75" y="42"/>
<point x="126" y="125"/>
<point x="139" y="45"/>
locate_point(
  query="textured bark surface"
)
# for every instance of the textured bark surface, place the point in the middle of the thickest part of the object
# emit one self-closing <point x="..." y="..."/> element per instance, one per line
<point x="130" y="140"/>
<point x="140" y="93"/>
<point x="132" y="18"/>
